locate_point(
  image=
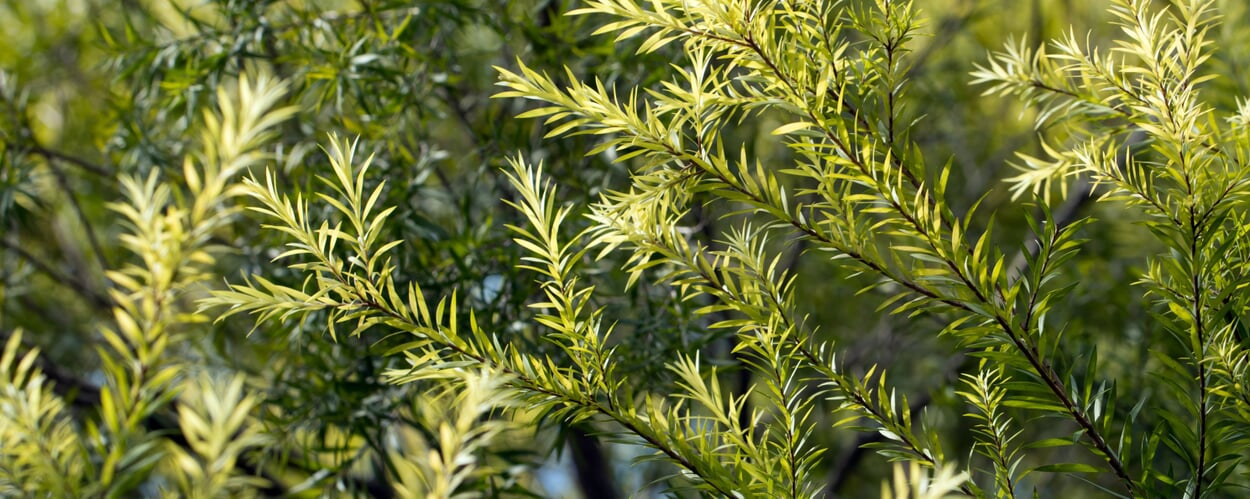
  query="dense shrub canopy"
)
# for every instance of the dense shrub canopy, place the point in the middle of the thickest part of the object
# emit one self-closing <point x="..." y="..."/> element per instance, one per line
<point x="599" y="248"/>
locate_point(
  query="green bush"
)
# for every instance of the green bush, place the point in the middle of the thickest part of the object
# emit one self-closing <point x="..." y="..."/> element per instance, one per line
<point x="683" y="271"/>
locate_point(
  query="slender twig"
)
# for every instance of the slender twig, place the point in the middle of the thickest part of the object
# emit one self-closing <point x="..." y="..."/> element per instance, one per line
<point x="76" y="206"/>
<point x="944" y="34"/>
<point x="1067" y="213"/>
<point x="74" y="283"/>
<point x="742" y="375"/>
<point x="1071" y="209"/>
<point x="854" y="453"/>
<point x="530" y="384"/>
<point x="81" y="394"/>
<point x="53" y="154"/>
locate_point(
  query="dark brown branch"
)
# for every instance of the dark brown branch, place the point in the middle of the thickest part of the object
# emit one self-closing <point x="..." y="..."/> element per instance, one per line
<point x="942" y="36"/>
<point x="89" y="229"/>
<point x="742" y="378"/>
<point x="594" y="476"/>
<point x="74" y="283"/>
<point x="55" y="155"/>
<point x="855" y="453"/>
<point x="81" y="394"/>
<point x="1070" y="210"/>
<point x="1067" y="213"/>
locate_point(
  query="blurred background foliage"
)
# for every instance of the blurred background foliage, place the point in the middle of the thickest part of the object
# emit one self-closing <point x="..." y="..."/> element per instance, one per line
<point x="91" y="89"/>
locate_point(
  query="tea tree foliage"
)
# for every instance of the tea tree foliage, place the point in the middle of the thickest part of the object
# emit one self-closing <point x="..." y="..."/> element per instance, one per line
<point x="867" y="197"/>
<point x="328" y="417"/>
<point x="864" y="195"/>
<point x="314" y="290"/>
<point x="167" y="235"/>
